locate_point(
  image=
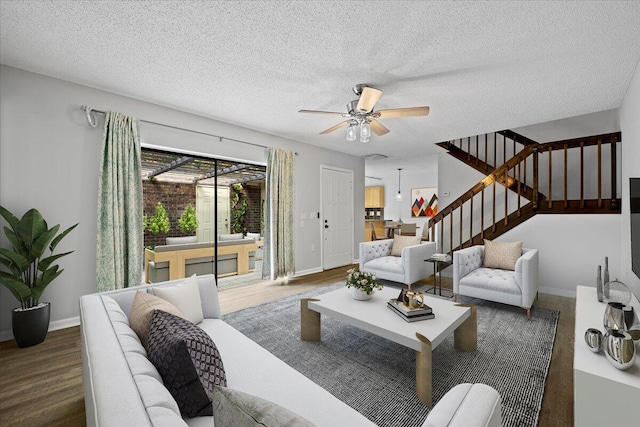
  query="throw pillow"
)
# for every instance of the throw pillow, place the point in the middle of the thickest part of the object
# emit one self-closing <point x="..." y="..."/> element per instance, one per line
<point x="238" y="409"/>
<point x="184" y="295"/>
<point x="401" y="242"/>
<point x="144" y="304"/>
<point x="188" y="361"/>
<point x="501" y="255"/>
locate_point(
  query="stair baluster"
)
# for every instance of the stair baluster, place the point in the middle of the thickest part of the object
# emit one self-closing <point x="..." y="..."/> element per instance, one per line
<point x="512" y="175"/>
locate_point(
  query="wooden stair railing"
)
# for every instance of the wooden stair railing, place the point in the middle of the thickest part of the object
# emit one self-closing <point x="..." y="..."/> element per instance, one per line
<point x="485" y="159"/>
<point x="507" y="210"/>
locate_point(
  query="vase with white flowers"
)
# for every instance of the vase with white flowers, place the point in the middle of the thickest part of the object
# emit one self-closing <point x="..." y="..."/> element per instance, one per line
<point x="364" y="284"/>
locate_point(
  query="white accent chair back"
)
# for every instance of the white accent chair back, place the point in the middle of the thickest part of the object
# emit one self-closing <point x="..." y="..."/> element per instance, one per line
<point x="375" y="257"/>
<point x="519" y="287"/>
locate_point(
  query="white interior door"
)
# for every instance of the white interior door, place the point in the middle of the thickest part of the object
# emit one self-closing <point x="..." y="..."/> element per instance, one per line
<point x="337" y="217"/>
<point x="206" y="213"/>
<point x="223" y="210"/>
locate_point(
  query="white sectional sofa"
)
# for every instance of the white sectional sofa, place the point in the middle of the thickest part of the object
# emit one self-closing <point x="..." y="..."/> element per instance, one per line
<point x="123" y="388"/>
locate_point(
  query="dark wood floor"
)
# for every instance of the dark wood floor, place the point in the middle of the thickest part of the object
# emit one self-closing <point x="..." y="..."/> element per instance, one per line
<point x="42" y="385"/>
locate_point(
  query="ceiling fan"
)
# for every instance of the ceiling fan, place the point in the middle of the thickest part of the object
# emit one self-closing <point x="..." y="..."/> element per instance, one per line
<point x="362" y="117"/>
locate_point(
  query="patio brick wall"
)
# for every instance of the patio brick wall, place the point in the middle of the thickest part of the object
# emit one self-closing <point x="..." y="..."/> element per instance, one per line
<point x="252" y="220"/>
<point x="174" y="197"/>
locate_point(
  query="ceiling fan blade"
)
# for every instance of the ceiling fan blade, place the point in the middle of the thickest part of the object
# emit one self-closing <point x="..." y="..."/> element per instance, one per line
<point x="336" y="127"/>
<point x="403" y="112"/>
<point x="378" y="128"/>
<point x="320" y="112"/>
<point x="368" y="99"/>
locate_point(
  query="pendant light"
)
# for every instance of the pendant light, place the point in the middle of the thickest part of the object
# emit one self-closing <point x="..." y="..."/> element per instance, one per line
<point x="399" y="195"/>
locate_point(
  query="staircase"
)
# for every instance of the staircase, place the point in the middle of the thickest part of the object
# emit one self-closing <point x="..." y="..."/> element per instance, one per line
<point x="525" y="178"/>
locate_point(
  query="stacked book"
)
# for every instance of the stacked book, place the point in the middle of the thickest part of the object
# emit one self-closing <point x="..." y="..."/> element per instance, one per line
<point x="410" y="315"/>
<point x="441" y="257"/>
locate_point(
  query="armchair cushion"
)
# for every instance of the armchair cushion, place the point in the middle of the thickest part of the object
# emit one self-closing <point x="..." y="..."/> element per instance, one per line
<point x="389" y="264"/>
<point x="492" y="279"/>
<point x="401" y="242"/>
<point x="501" y="255"/>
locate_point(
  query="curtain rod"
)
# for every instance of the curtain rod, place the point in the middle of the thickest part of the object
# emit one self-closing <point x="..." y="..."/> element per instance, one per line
<point x="93" y="123"/>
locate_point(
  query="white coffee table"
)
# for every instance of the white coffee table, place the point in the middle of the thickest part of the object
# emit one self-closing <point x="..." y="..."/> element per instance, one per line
<point x="374" y="316"/>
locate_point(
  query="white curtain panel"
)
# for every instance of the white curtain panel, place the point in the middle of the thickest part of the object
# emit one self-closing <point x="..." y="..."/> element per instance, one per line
<point x="279" y="248"/>
<point x="120" y="243"/>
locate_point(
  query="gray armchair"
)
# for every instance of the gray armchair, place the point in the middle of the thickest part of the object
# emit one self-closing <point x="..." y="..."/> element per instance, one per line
<point x="518" y="287"/>
<point x="375" y="257"/>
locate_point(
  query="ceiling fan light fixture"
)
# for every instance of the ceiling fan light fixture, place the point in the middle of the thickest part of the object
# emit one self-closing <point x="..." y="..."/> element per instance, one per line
<point x="352" y="131"/>
<point x="365" y="130"/>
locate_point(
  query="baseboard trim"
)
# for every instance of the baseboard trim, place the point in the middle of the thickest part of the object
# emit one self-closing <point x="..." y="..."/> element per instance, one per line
<point x="53" y="326"/>
<point x="557" y="292"/>
<point x="308" y="271"/>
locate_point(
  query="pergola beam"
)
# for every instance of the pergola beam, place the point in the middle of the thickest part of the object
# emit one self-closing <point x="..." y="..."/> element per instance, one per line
<point x="219" y="172"/>
<point x="173" y="165"/>
<point x="249" y="178"/>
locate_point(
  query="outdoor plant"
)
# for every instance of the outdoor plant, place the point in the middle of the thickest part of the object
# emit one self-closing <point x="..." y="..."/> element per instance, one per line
<point x="188" y="221"/>
<point x="362" y="280"/>
<point x="238" y="209"/>
<point x="27" y="270"/>
<point x="159" y="221"/>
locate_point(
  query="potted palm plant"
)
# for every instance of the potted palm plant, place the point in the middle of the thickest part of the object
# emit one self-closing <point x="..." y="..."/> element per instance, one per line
<point x="27" y="272"/>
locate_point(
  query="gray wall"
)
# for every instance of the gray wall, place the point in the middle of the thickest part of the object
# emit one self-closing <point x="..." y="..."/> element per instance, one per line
<point x="49" y="159"/>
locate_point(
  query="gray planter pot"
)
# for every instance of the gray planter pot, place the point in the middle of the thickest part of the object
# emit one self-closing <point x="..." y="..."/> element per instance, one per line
<point x="30" y="326"/>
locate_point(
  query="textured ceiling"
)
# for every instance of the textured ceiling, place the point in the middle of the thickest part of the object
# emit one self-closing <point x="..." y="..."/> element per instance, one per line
<point x="480" y="66"/>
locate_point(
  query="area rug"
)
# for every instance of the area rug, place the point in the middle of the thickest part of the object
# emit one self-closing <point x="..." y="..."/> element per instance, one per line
<point x="377" y="377"/>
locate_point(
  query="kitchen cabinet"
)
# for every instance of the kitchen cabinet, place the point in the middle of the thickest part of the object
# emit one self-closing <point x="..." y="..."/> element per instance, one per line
<point x="374" y="197"/>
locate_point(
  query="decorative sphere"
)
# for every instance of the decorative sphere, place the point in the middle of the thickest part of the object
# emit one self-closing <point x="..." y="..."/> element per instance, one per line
<point x="616" y="291"/>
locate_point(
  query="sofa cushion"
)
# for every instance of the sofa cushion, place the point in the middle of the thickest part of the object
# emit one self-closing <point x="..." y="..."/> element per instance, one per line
<point x="144" y="304"/>
<point x="501" y="254"/>
<point x="186" y="296"/>
<point x="401" y="242"/>
<point x="181" y="240"/>
<point x="188" y="360"/>
<point x="492" y="279"/>
<point x="234" y="236"/>
<point x="238" y="409"/>
<point x="254" y="236"/>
